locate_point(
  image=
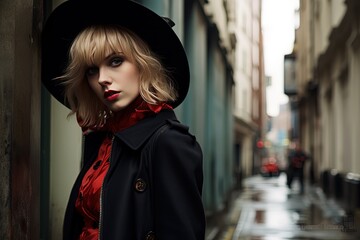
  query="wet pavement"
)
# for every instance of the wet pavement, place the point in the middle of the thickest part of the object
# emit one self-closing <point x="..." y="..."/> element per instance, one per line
<point x="266" y="209"/>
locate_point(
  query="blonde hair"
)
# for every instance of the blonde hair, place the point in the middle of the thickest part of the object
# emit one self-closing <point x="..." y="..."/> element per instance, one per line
<point x="91" y="47"/>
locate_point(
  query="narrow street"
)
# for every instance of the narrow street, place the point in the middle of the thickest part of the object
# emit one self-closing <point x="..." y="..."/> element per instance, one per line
<point x="266" y="209"/>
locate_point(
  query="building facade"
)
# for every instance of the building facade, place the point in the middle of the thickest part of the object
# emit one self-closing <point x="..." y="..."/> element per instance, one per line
<point x="249" y="88"/>
<point x="327" y="64"/>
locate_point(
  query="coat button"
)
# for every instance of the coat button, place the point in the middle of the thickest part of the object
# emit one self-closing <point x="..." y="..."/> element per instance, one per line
<point x="140" y="185"/>
<point x="150" y="236"/>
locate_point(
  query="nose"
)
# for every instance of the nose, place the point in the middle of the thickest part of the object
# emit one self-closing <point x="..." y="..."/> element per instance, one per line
<point x="104" y="77"/>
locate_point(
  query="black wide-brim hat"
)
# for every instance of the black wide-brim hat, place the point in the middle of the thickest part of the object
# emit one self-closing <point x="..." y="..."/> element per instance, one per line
<point x="71" y="17"/>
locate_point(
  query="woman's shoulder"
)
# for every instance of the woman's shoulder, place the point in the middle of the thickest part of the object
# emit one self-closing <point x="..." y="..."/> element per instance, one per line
<point x="176" y="128"/>
<point x="171" y="129"/>
<point x="175" y="137"/>
<point x="176" y="147"/>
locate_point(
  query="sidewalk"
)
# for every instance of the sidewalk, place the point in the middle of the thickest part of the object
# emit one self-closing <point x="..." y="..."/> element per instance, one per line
<point x="267" y="210"/>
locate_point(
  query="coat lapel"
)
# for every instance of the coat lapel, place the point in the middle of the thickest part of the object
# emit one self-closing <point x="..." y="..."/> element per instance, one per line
<point x="135" y="136"/>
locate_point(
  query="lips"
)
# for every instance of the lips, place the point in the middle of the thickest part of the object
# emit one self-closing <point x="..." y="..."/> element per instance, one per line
<point x="111" y="95"/>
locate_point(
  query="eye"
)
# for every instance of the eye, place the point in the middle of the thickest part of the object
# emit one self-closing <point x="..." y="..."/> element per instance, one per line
<point x="116" y="61"/>
<point x="91" y="71"/>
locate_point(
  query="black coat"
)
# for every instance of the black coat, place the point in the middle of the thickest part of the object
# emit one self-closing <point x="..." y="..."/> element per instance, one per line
<point x="143" y="197"/>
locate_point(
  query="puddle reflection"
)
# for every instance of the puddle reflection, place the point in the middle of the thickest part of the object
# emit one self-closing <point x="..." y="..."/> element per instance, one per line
<point x="275" y="238"/>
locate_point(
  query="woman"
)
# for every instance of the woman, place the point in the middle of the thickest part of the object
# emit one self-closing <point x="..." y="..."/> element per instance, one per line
<point x="121" y="69"/>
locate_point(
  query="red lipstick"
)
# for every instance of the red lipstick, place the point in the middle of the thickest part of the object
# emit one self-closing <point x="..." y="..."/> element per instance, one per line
<point x="111" y="95"/>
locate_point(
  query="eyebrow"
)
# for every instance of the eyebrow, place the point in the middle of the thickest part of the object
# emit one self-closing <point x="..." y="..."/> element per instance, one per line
<point x="113" y="54"/>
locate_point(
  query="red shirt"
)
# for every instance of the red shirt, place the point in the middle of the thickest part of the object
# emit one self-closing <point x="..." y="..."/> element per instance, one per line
<point x="88" y="201"/>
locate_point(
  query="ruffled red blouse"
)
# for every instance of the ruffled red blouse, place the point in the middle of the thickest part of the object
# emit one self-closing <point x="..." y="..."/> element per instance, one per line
<point x="88" y="201"/>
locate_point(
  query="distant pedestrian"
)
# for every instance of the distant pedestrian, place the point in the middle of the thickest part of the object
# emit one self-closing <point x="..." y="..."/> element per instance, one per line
<point x="296" y="162"/>
<point x="142" y="170"/>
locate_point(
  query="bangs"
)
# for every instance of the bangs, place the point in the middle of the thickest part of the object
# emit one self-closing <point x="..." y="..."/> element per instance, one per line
<point x="94" y="44"/>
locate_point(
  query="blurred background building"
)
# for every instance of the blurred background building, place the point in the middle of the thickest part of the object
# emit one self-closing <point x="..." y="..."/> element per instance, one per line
<point x="249" y="88"/>
<point x="324" y="68"/>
